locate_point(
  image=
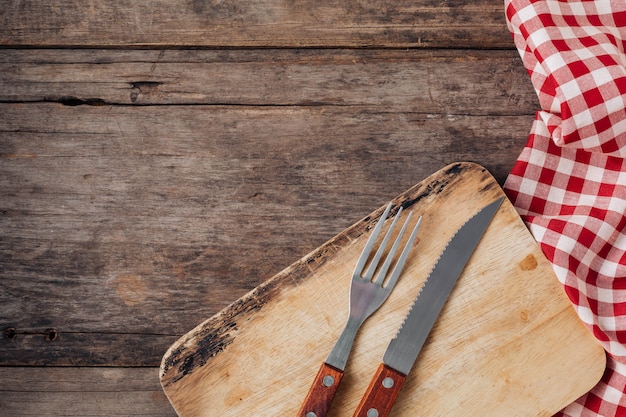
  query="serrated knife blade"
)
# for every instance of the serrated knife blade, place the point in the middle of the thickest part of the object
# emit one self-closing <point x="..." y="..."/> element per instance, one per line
<point x="405" y="347"/>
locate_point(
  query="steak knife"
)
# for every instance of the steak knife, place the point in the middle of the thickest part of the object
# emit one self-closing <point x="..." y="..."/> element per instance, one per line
<point x="404" y="348"/>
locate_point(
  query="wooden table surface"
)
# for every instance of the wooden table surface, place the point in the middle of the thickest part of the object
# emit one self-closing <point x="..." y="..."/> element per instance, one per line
<point x="161" y="158"/>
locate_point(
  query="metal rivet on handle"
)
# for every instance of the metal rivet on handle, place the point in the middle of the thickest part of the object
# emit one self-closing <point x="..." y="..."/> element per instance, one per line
<point x="328" y="381"/>
<point x="388" y="382"/>
<point x="372" y="412"/>
<point x="310" y="414"/>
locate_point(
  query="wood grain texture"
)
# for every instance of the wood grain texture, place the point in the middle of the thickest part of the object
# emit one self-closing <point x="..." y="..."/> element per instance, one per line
<point x="100" y="200"/>
<point x="273" y="23"/>
<point x="381" y="393"/>
<point x="80" y="392"/>
<point x="506" y="333"/>
<point x="96" y="183"/>
<point x="321" y="393"/>
<point x="159" y="159"/>
<point x="473" y="83"/>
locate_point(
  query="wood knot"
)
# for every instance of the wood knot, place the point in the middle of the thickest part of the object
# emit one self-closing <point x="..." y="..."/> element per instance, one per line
<point x="10" y="333"/>
<point x="131" y="289"/>
<point x="524" y="315"/>
<point x="142" y="88"/>
<point x="51" y="335"/>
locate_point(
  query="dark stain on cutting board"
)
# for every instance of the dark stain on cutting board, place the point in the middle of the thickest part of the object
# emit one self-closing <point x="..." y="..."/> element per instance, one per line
<point x="529" y="263"/>
<point x="217" y="333"/>
<point x="449" y="175"/>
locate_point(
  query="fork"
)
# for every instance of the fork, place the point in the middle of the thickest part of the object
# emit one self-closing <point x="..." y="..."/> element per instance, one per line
<point x="367" y="294"/>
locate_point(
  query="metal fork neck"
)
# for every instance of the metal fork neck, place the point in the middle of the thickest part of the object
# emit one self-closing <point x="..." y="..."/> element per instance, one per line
<point x="338" y="357"/>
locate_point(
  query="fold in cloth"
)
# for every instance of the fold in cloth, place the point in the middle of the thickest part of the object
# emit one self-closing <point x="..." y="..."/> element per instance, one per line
<point x="569" y="183"/>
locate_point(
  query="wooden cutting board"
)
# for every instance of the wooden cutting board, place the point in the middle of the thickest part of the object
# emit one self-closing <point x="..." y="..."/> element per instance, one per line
<point x="507" y="343"/>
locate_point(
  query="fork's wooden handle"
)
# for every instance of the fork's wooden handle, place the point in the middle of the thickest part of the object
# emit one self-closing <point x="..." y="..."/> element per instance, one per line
<point x="321" y="393"/>
<point x="381" y="393"/>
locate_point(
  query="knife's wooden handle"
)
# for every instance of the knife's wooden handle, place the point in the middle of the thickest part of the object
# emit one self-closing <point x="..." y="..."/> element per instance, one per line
<point x="321" y="393"/>
<point x="381" y="393"/>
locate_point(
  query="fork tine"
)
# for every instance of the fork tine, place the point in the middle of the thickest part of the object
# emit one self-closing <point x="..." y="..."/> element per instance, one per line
<point x="383" y="271"/>
<point x="381" y="248"/>
<point x="397" y="269"/>
<point x="360" y="264"/>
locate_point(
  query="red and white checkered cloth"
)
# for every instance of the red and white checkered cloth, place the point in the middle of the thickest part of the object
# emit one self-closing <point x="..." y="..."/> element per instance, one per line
<point x="569" y="183"/>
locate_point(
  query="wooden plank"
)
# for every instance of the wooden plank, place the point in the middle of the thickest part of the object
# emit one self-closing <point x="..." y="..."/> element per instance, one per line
<point x="111" y="215"/>
<point x="84" y="392"/>
<point x="275" y="142"/>
<point x="449" y="82"/>
<point x="96" y="346"/>
<point x="273" y="23"/>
